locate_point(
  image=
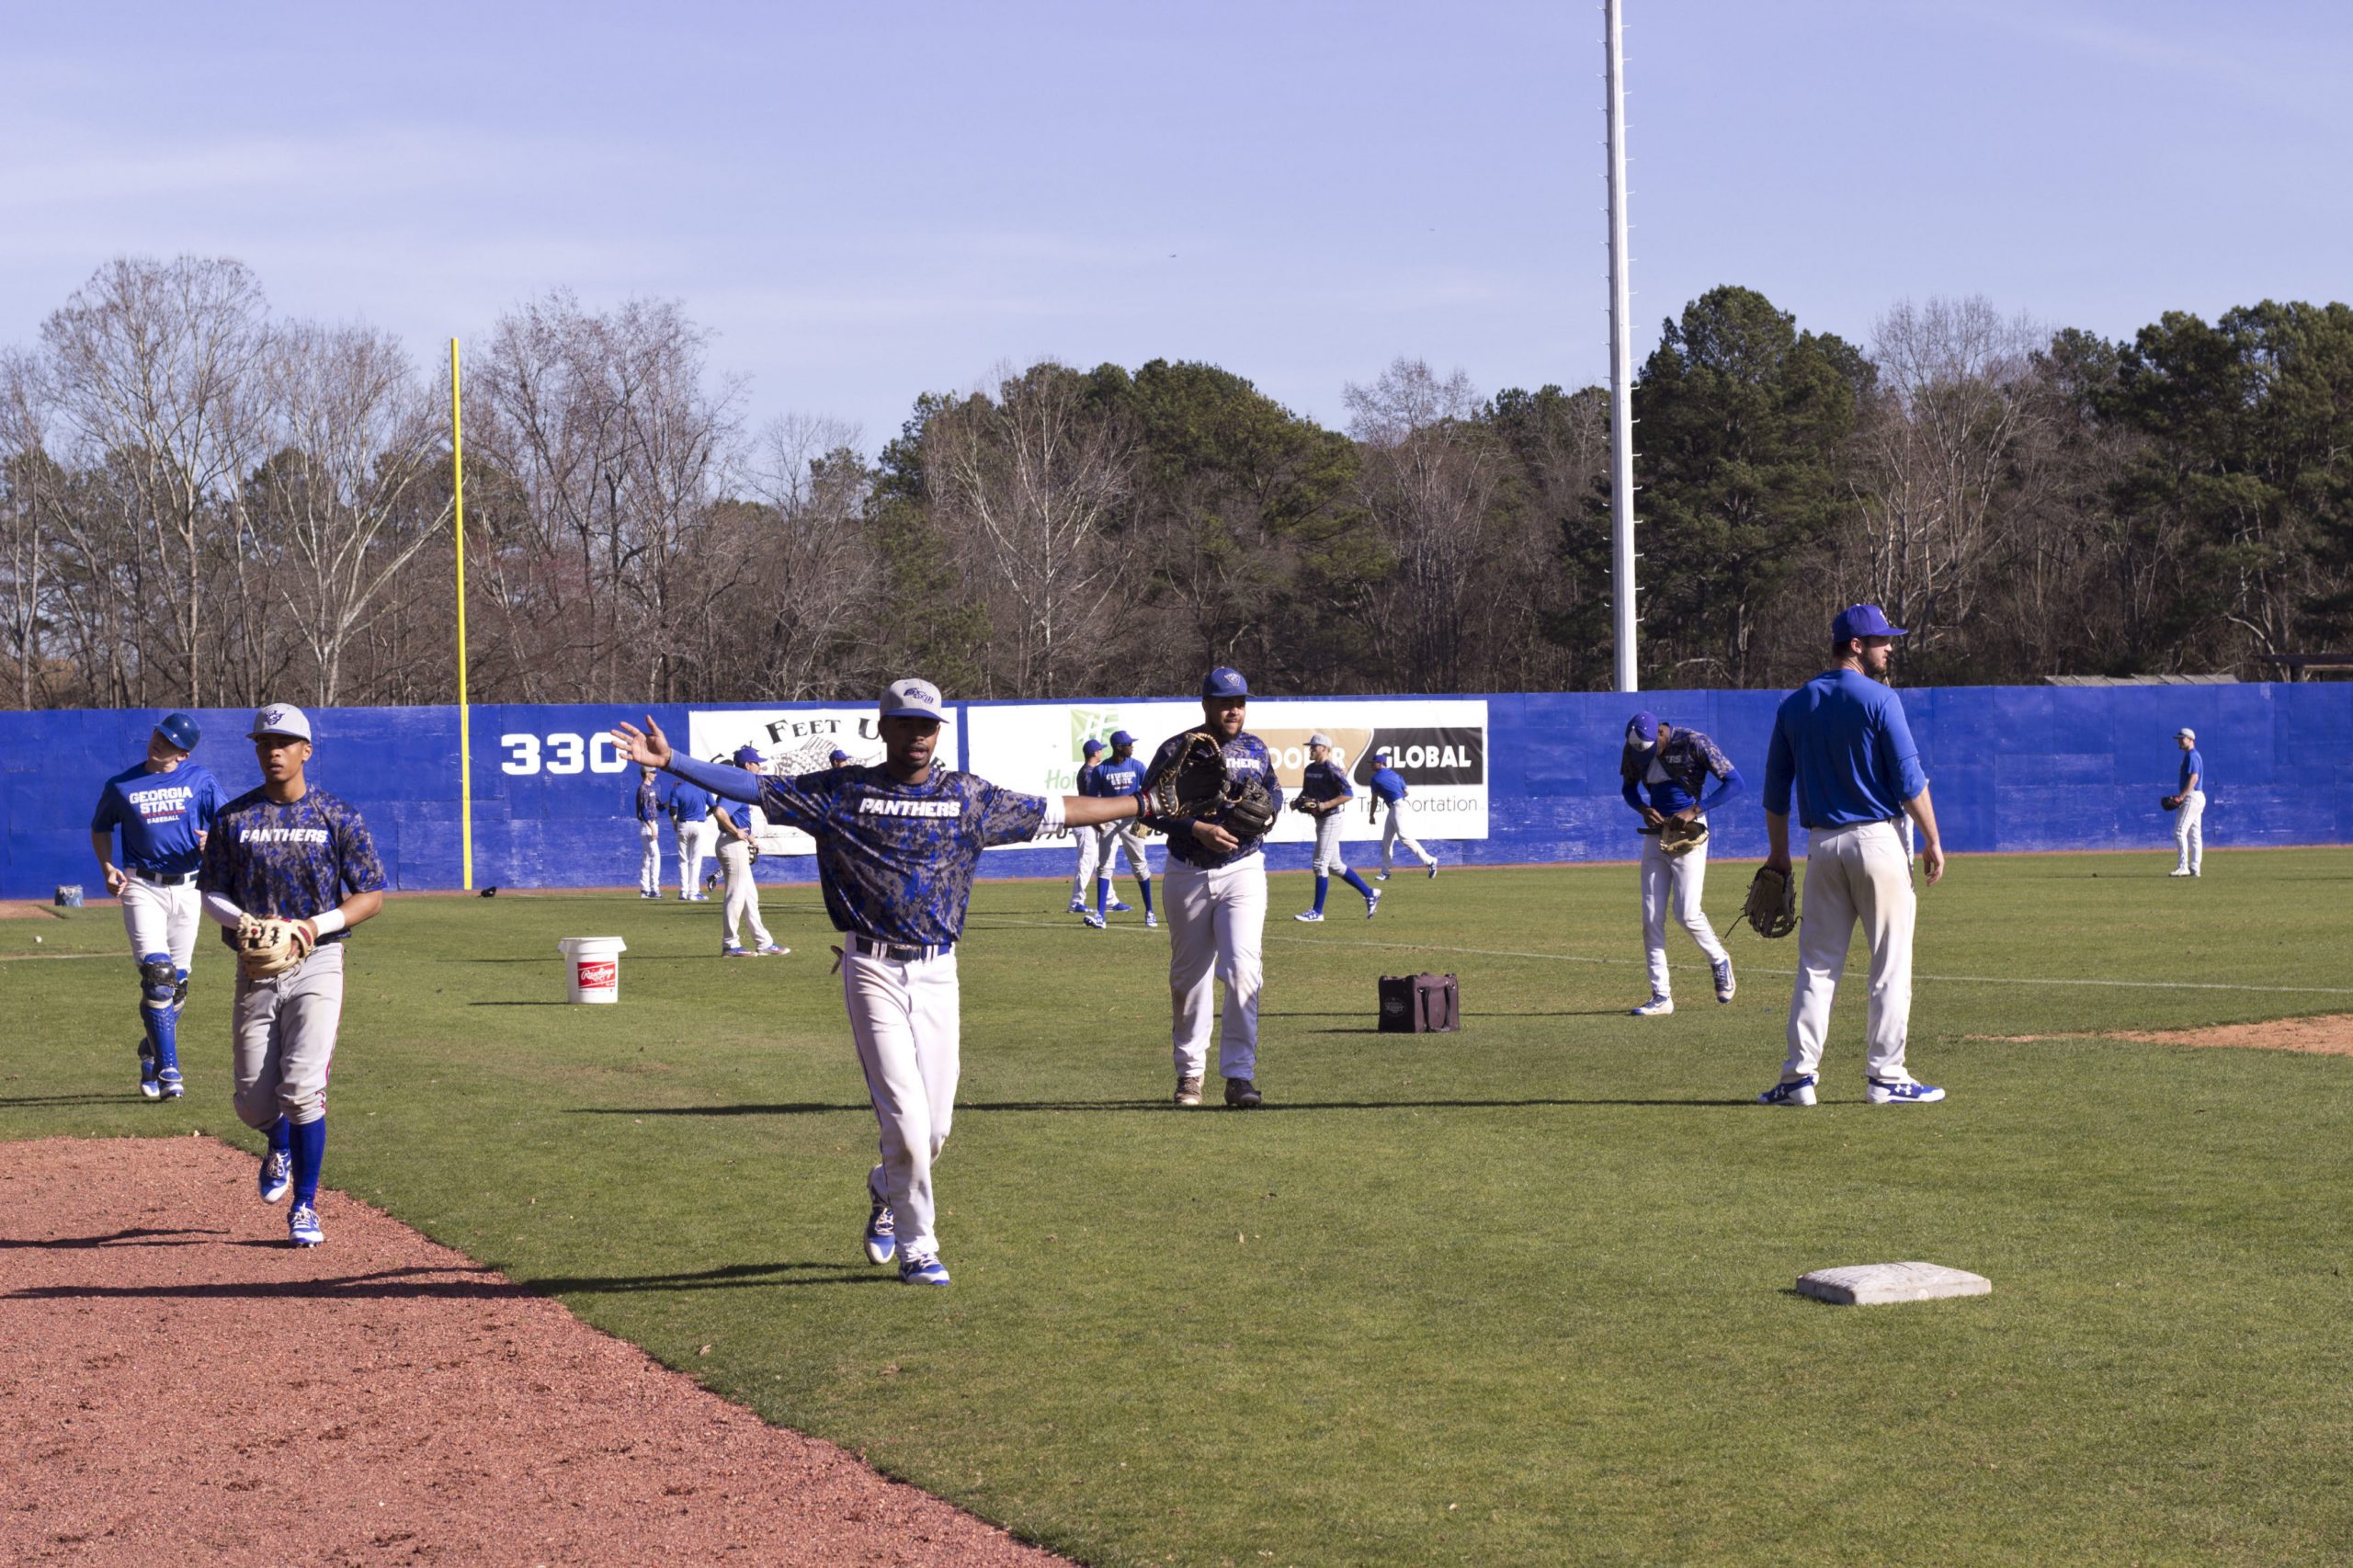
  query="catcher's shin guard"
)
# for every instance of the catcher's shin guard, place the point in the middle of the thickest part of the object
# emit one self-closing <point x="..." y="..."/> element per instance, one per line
<point x="158" y="1014"/>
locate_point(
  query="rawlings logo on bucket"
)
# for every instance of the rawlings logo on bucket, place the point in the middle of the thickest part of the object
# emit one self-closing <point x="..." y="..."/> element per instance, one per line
<point x="599" y="974"/>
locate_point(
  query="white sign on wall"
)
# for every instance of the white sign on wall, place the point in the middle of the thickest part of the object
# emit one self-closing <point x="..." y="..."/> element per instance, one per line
<point x="789" y="741"/>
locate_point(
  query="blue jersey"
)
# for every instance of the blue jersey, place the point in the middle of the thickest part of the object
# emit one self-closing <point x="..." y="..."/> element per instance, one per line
<point x="1090" y="778"/>
<point x="646" y="799"/>
<point x="1841" y="740"/>
<point x="1388" y="785"/>
<point x="691" y="802"/>
<point x="1677" y="772"/>
<point x="2193" y="765"/>
<point x="1246" y="757"/>
<point x="739" y="813"/>
<point x="160" y="815"/>
<point x="292" y="859"/>
<point x="1324" y="781"/>
<point x="895" y="860"/>
<point x="1122" y="777"/>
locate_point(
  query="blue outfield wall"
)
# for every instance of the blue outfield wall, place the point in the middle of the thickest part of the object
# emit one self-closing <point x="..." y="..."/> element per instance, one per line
<point x="2013" y="768"/>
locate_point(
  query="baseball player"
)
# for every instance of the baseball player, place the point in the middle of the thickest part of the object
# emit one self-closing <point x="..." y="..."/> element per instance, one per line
<point x="896" y="849"/>
<point x="288" y="852"/>
<point x="1122" y="774"/>
<point x="162" y="808"/>
<point x="1674" y="766"/>
<point x="1841" y="741"/>
<point x="2189" y="807"/>
<point x="1323" y="793"/>
<point x="736" y="853"/>
<point x="1090" y="844"/>
<point x="838" y="759"/>
<point x="1388" y="787"/>
<point x="690" y="813"/>
<point x="647" y="803"/>
<point x="1217" y="908"/>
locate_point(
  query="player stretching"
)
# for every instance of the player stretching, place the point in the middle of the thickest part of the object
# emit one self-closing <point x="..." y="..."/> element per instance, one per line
<point x="1323" y="793"/>
<point x="896" y="849"/>
<point x="1217" y="906"/>
<point x="1675" y="764"/>
<point x="163" y="806"/>
<point x="1090" y="844"/>
<point x="1122" y="774"/>
<point x="289" y="870"/>
<point x="1389" y="796"/>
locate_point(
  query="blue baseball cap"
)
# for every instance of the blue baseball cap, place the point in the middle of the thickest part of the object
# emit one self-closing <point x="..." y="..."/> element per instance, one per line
<point x="1224" y="681"/>
<point x="1383" y="755"/>
<point x="839" y="755"/>
<point x="1121" y="738"/>
<point x="1641" y="730"/>
<point x="748" y="757"/>
<point x="179" y="730"/>
<point x="1092" y="746"/>
<point x="1862" y="621"/>
<point x="913" y="699"/>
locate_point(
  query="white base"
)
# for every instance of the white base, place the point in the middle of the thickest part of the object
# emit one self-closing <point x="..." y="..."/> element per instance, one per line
<point x="1876" y="1284"/>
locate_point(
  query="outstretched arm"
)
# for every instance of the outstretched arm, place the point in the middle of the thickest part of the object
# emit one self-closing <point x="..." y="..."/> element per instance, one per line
<point x="652" y="748"/>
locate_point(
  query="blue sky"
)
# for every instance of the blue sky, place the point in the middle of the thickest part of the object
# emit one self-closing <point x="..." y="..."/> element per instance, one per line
<point x="865" y="202"/>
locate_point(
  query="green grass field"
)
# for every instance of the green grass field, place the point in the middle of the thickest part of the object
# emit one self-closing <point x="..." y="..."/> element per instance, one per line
<point x="1521" y="1294"/>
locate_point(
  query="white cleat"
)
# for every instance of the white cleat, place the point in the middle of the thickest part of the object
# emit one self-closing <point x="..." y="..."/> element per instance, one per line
<point x="1656" y="1007"/>
<point x="1310" y="917"/>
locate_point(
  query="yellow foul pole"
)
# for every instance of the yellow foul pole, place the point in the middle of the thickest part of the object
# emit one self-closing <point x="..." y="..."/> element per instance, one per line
<point x="465" y="729"/>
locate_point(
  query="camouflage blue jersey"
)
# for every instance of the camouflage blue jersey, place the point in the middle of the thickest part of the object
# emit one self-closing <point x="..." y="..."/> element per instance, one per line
<point x="160" y="815"/>
<point x="1246" y="757"/>
<point x="1324" y="781"/>
<point x="292" y="859"/>
<point x="1687" y="758"/>
<point x="896" y="860"/>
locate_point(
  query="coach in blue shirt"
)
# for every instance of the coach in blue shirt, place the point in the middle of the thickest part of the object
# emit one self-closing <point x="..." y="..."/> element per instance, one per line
<point x="1840" y="740"/>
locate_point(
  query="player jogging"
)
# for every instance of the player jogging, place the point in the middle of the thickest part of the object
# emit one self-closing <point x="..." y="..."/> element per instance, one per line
<point x="1323" y="793"/>
<point x="1217" y="904"/>
<point x="1387" y="801"/>
<point x="163" y="807"/>
<point x="1675" y="766"/>
<point x="736" y="853"/>
<point x="289" y="871"/>
<point x="896" y="849"/>
<point x="1122" y="774"/>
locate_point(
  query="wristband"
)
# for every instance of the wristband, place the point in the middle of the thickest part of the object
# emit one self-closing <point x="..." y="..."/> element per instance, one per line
<point x="329" y="924"/>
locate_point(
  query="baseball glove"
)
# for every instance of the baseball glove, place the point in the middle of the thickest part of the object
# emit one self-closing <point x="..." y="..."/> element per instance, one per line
<point x="1249" y="810"/>
<point x="1772" y="907"/>
<point x="1676" y="836"/>
<point x="268" y="947"/>
<point x="1195" y="783"/>
<point x="2169" y="802"/>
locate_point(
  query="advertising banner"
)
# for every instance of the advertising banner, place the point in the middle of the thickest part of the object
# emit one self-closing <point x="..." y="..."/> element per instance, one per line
<point x="1437" y="745"/>
<point x="789" y="741"/>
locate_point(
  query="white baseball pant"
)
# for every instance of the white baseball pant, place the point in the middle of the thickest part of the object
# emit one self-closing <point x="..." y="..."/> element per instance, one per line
<point x="648" y="865"/>
<point x="905" y="1020"/>
<point x="1116" y="836"/>
<point x="1854" y="873"/>
<point x="742" y="906"/>
<point x="696" y="842"/>
<point x="1217" y="927"/>
<point x="1392" y="832"/>
<point x="1675" y="881"/>
<point x="282" y="1039"/>
<point x="1090" y="866"/>
<point x="161" y="919"/>
<point x="2189" y="831"/>
<point x="1326" y="860"/>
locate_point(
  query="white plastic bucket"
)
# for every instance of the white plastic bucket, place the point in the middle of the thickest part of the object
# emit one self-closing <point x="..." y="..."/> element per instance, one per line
<point x="593" y="966"/>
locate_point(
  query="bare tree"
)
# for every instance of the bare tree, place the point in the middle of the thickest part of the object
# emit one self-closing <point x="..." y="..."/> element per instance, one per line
<point x="814" y="570"/>
<point x="30" y="479"/>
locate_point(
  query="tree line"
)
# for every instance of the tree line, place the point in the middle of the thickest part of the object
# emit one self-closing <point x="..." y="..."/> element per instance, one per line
<point x="203" y="501"/>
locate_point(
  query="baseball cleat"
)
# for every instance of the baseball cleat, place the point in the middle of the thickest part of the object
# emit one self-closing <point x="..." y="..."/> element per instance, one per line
<point x="1725" y="986"/>
<point x="1372" y="907"/>
<point x="1801" y="1092"/>
<point x="302" y="1226"/>
<point x="917" y="1269"/>
<point x="1901" y="1091"/>
<point x="1310" y="917"/>
<point x="881" y="1231"/>
<point x="1188" y="1091"/>
<point x="1118" y="908"/>
<point x="1433" y="871"/>
<point x="168" y="1079"/>
<point x="770" y="951"/>
<point x="277" y="1174"/>
<point x="1380" y="876"/>
<point x="729" y="950"/>
<point x="1094" y="921"/>
<point x="2180" y="872"/>
<point x="1242" y="1094"/>
<point x="1152" y="922"/>
<point x="1656" y="1007"/>
<point x="1077" y="907"/>
<point x="148" y="1086"/>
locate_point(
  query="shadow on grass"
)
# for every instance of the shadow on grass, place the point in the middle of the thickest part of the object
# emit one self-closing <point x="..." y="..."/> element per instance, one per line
<point x="813" y="1108"/>
<point x="390" y="1284"/>
<point x="8" y="1100"/>
<point x="736" y="1275"/>
<point x="136" y="1236"/>
<point x="519" y="1003"/>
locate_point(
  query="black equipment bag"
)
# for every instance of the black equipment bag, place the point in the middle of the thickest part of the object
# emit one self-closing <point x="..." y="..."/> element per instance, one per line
<point x="1420" y="1003"/>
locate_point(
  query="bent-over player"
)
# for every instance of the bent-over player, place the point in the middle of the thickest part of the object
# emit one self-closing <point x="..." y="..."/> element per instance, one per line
<point x="1217" y="907"/>
<point x="896" y="849"/>
<point x="1388" y="796"/>
<point x="163" y="807"/>
<point x="1841" y="741"/>
<point x="1675" y="766"/>
<point x="1323" y="793"/>
<point x="1122" y="774"/>
<point x="289" y="871"/>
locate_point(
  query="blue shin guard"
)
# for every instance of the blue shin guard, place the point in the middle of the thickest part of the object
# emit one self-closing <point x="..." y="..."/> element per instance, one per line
<point x="159" y="1013"/>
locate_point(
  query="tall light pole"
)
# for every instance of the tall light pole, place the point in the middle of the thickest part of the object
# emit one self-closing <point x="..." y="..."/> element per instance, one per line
<point x="1621" y="371"/>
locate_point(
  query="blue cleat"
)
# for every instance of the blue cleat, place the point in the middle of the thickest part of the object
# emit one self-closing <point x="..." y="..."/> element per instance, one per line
<point x="1311" y="917"/>
<point x="1094" y="920"/>
<point x="1794" y="1094"/>
<point x="1118" y="908"/>
<point x="274" y="1177"/>
<point x="729" y="950"/>
<point x="1901" y="1091"/>
<point x="881" y="1231"/>
<point x="1658" y="1007"/>
<point x="1372" y="907"/>
<point x="1433" y="871"/>
<point x="148" y="1088"/>
<point x="302" y="1226"/>
<point x="917" y="1269"/>
<point x="1725" y="986"/>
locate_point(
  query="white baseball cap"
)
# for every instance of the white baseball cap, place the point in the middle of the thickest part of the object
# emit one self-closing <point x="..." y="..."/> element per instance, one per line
<point x="280" y="719"/>
<point x="2186" y="734"/>
<point x="913" y="699"/>
<point x="1319" y="739"/>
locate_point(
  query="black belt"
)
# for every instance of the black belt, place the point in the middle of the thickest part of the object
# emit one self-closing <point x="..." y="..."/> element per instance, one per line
<point x="156" y="879"/>
<point x="895" y="952"/>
